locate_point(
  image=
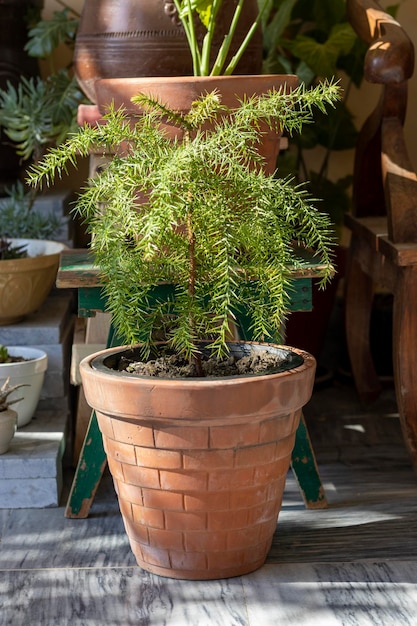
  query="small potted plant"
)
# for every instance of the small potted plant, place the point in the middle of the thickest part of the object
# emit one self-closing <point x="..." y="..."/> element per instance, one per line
<point x="23" y="367"/>
<point x="8" y="417"/>
<point x="192" y="233"/>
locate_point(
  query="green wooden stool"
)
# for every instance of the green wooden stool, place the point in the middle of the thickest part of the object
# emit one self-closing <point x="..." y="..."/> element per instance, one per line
<point x="77" y="270"/>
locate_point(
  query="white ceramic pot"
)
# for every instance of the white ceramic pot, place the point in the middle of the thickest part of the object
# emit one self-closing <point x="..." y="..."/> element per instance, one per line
<point x="29" y="372"/>
<point x="8" y="421"/>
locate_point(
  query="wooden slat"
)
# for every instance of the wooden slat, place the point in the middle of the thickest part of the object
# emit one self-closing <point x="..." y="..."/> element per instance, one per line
<point x="77" y="268"/>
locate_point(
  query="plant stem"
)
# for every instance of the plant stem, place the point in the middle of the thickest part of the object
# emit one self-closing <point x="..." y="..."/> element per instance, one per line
<point x="190" y="33"/>
<point x="224" y="48"/>
<point x="206" y="47"/>
<point x="196" y="357"/>
<point x="236" y="58"/>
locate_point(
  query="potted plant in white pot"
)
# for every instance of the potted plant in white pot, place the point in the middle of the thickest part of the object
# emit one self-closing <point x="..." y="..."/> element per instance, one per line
<point x="8" y="416"/>
<point x="23" y="367"/>
<point x="191" y="232"/>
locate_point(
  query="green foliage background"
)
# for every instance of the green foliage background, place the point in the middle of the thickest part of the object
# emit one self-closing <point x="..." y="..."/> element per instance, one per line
<point x="313" y="39"/>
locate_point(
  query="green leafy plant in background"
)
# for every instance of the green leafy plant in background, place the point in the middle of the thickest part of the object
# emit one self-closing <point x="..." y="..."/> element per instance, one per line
<point x="19" y="220"/>
<point x="313" y="39"/>
<point x="207" y="11"/>
<point x="36" y="114"/>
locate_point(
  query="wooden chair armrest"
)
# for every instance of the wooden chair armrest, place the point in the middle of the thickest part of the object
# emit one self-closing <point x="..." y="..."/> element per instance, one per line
<point x="390" y="56"/>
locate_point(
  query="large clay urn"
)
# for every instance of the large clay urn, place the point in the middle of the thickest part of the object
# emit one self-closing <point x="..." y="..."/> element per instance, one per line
<point x="130" y="38"/>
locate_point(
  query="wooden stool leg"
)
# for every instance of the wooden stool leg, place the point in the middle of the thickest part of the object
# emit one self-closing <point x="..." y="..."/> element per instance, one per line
<point x="304" y="466"/>
<point x="90" y="468"/>
<point x="358" y="306"/>
<point x="91" y="465"/>
<point x="405" y="355"/>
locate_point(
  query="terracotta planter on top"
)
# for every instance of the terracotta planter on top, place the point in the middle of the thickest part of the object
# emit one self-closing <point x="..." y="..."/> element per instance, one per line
<point x="179" y="93"/>
<point x="199" y="465"/>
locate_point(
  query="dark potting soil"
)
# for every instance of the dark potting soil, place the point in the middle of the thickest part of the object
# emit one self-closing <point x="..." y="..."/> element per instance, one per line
<point x="173" y="366"/>
<point x="15" y="359"/>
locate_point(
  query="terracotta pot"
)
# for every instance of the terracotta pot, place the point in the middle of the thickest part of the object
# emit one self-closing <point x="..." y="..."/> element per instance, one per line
<point x="25" y="283"/>
<point x="30" y="372"/>
<point x="199" y="465"/>
<point x="8" y="420"/>
<point x="180" y="92"/>
<point x="126" y="38"/>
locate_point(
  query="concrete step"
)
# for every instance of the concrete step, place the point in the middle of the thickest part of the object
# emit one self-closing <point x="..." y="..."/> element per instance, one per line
<point x="50" y="329"/>
<point x="31" y="470"/>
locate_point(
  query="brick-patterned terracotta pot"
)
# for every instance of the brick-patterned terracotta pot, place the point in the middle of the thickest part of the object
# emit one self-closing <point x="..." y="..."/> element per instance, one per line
<point x="199" y="465"/>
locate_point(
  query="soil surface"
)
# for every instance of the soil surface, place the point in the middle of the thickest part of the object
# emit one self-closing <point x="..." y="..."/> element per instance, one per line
<point x="173" y="366"/>
<point x="15" y="359"/>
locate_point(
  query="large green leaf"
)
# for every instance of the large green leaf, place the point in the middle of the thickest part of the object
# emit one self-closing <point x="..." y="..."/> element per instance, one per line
<point x="48" y="34"/>
<point x="322" y="57"/>
<point x="265" y="7"/>
<point x="319" y="57"/>
<point x="335" y="197"/>
<point x="352" y="63"/>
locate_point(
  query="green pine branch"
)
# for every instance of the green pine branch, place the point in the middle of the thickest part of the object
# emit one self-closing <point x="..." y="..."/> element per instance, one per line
<point x="197" y="215"/>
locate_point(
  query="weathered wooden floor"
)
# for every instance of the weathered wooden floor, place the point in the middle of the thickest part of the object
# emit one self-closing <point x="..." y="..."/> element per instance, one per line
<point x="354" y="563"/>
<point x="369" y="482"/>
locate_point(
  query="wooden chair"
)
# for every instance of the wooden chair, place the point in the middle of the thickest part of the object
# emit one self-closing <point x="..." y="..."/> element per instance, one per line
<point x="383" y="249"/>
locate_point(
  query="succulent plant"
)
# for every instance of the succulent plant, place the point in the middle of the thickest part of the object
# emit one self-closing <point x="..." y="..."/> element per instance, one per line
<point x="5" y="390"/>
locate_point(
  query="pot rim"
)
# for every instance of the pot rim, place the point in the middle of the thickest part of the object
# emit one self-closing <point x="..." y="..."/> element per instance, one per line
<point x="303" y="360"/>
<point x="8" y="415"/>
<point x="33" y="356"/>
<point x="186" y="89"/>
<point x="232" y="78"/>
<point x="42" y="247"/>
